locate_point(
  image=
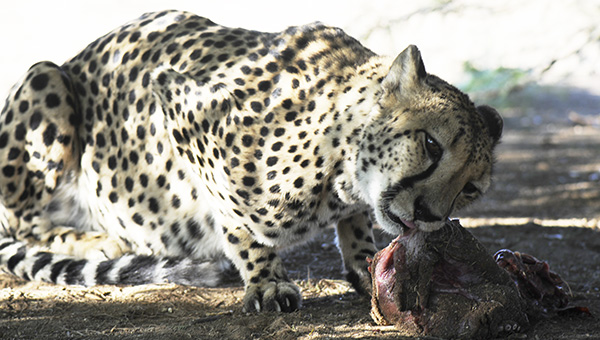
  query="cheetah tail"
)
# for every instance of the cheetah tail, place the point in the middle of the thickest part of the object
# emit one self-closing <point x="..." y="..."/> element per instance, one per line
<point x="34" y="264"/>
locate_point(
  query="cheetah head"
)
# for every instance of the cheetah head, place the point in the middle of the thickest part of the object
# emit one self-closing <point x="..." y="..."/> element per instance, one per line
<point x="426" y="149"/>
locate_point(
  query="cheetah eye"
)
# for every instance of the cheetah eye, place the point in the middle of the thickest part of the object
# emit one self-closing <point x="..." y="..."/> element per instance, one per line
<point x="470" y="189"/>
<point x="434" y="150"/>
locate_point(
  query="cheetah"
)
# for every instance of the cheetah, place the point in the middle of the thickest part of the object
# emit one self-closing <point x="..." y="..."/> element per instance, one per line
<point x="172" y="147"/>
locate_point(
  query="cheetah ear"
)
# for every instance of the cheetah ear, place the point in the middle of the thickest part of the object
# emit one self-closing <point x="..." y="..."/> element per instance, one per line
<point x="406" y="71"/>
<point x="493" y="121"/>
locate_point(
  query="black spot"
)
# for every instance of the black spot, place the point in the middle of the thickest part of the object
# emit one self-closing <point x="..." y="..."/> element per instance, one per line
<point x="233" y="239"/>
<point x="3" y="140"/>
<point x="206" y="58"/>
<point x="247" y="140"/>
<point x="196" y="54"/>
<point x="23" y="106"/>
<point x="113" y="197"/>
<point x="276" y="146"/>
<point x="175" y="228"/>
<point x="139" y="106"/>
<point x="138" y="219"/>
<point x="134" y="37"/>
<point x="177" y="135"/>
<point x="272" y="67"/>
<point x="149" y="158"/>
<point x="120" y="80"/>
<point x="35" y="120"/>
<point x="49" y="134"/>
<point x="272" y="160"/>
<point x="20" y="131"/>
<point x="100" y="140"/>
<point x="359" y="234"/>
<point x="250" y="167"/>
<point x="269" y="117"/>
<point x="153" y="205"/>
<point x="317" y="189"/>
<point x="13" y="154"/>
<point x="247" y="121"/>
<point x="299" y="182"/>
<point x="9" y="117"/>
<point x="96" y="167"/>
<point x="133" y="157"/>
<point x="264" y="85"/>
<point x="8" y="171"/>
<point x="39" y="82"/>
<point x="302" y="65"/>
<point x="248" y="181"/>
<point x="52" y="100"/>
<point x="288" y="54"/>
<point x="194" y="229"/>
<point x="228" y="139"/>
<point x="256" y="106"/>
<point x="144" y="180"/>
<point x="291" y="116"/>
<point x="129" y="184"/>
<point x="279" y="132"/>
<point x="161" y="180"/>
<point x="287" y="103"/>
<point x="175" y="201"/>
<point x="141" y="132"/>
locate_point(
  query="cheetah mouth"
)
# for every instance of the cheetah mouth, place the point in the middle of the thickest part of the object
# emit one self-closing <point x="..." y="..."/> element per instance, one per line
<point x="406" y="225"/>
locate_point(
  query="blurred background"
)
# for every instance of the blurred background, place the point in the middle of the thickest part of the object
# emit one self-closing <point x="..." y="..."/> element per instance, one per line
<point x="537" y="61"/>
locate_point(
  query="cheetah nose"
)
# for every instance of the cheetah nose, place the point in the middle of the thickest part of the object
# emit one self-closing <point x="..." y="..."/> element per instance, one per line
<point x="422" y="212"/>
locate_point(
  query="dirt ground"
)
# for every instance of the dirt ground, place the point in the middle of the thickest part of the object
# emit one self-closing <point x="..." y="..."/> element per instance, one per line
<point x="546" y="202"/>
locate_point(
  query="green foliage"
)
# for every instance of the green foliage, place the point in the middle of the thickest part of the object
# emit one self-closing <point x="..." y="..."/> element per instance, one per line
<point x="497" y="83"/>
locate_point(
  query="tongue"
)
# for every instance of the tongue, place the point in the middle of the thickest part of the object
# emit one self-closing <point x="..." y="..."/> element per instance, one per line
<point x="410" y="225"/>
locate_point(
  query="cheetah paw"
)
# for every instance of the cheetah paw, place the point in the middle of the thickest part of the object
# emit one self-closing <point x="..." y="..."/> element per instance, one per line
<point x="276" y="296"/>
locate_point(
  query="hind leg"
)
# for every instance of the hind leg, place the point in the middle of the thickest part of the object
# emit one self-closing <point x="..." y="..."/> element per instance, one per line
<point x="40" y="151"/>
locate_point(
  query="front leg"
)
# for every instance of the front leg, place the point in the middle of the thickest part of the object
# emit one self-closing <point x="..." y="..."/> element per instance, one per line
<point x="355" y="241"/>
<point x="267" y="285"/>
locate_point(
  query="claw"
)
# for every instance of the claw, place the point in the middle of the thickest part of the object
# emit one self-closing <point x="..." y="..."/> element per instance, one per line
<point x="287" y="302"/>
<point x="277" y="307"/>
<point x="257" y="306"/>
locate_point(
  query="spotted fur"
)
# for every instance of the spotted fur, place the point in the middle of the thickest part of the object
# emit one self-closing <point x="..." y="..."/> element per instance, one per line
<point x="172" y="144"/>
